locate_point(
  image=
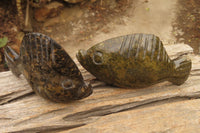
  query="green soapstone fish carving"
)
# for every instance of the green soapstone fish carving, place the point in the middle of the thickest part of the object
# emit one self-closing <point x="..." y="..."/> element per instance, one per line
<point x="48" y="69"/>
<point x="134" y="61"/>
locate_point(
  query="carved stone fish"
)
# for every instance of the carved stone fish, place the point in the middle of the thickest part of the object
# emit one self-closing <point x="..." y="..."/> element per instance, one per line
<point x="134" y="61"/>
<point x="48" y="69"/>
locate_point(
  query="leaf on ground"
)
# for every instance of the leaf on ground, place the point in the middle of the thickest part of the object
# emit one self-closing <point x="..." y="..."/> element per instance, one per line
<point x="3" y="41"/>
<point x="147" y="9"/>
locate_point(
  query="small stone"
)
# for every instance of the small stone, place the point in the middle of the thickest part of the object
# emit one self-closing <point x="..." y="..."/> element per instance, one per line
<point x="51" y="22"/>
<point x="181" y="39"/>
<point x="73" y="1"/>
<point x="48" y="30"/>
<point x="50" y="10"/>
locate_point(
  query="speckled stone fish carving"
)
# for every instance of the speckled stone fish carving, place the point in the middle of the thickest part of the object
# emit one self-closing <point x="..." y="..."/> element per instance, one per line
<point x="48" y="68"/>
<point x="134" y="61"/>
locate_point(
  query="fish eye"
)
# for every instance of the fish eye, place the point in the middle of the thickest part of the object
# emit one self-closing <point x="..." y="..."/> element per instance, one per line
<point x="98" y="58"/>
<point x="67" y="84"/>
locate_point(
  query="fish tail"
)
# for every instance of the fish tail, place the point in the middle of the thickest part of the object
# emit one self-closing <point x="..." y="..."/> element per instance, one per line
<point x="12" y="60"/>
<point x="182" y="68"/>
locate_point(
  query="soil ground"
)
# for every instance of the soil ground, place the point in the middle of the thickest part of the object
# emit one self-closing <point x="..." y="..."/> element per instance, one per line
<point x="187" y="24"/>
<point x="85" y="24"/>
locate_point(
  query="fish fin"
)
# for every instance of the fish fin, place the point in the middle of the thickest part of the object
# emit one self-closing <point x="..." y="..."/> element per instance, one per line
<point x="12" y="60"/>
<point x="182" y="70"/>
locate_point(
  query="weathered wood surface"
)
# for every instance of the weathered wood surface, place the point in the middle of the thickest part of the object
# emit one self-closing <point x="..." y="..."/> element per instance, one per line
<point x="160" y="108"/>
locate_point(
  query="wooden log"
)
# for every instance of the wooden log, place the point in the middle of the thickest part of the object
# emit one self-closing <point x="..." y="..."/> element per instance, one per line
<point x="160" y="108"/>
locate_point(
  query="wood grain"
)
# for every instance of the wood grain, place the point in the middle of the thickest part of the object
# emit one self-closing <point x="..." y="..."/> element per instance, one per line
<point x="160" y="108"/>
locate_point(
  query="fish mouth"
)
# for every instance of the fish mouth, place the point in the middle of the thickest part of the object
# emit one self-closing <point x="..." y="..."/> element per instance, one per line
<point x="84" y="91"/>
<point x="89" y="90"/>
<point x="81" y="55"/>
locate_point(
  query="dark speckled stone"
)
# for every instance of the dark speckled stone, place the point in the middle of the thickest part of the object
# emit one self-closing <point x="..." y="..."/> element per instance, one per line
<point x="48" y="68"/>
<point x="134" y="61"/>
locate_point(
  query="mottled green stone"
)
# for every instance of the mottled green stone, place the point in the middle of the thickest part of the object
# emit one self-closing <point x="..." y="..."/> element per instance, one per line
<point x="48" y="68"/>
<point x="134" y="61"/>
